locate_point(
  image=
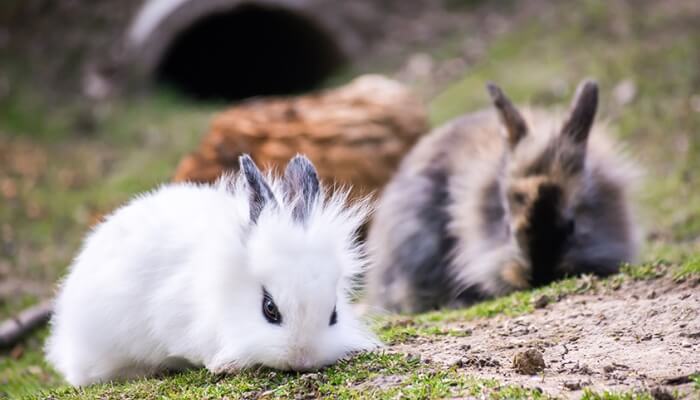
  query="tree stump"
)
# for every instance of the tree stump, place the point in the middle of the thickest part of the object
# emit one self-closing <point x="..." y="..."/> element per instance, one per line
<point x="355" y="134"/>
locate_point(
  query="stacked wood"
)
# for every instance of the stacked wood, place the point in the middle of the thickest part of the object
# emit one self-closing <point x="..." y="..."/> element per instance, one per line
<point x="355" y="134"/>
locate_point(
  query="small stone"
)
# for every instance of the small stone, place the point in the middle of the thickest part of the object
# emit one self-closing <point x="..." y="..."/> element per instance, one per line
<point x="411" y="357"/>
<point x="572" y="385"/>
<point x="583" y="369"/>
<point x="529" y="362"/>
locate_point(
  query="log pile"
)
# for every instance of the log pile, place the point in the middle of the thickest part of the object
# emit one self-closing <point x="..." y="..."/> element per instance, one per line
<point x="355" y="134"/>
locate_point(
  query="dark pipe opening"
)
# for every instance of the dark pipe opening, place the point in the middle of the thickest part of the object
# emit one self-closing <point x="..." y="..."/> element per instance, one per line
<point x="249" y="51"/>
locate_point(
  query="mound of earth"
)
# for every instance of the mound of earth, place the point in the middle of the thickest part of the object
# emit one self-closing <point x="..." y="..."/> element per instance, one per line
<point x="642" y="335"/>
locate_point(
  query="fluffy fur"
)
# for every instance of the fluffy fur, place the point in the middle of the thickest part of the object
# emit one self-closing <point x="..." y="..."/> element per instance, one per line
<point x="501" y="200"/>
<point x="175" y="279"/>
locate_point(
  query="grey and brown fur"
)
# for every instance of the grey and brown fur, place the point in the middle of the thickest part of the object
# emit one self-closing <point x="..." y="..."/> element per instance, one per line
<point x="501" y="200"/>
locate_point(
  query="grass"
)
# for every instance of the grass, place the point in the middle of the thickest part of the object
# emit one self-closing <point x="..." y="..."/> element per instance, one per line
<point x="689" y="268"/>
<point x="64" y="180"/>
<point x="85" y="160"/>
<point x="696" y="382"/>
<point x="356" y="378"/>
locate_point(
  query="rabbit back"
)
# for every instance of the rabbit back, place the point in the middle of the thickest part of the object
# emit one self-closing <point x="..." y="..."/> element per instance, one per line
<point x="137" y="291"/>
<point x="411" y="240"/>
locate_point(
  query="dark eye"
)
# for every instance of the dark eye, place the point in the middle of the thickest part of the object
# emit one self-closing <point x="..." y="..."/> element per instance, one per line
<point x="334" y="317"/>
<point x="518" y="198"/>
<point x="269" y="309"/>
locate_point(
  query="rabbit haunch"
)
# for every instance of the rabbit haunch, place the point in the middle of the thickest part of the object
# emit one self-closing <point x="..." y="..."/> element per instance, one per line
<point x="250" y="271"/>
<point x="500" y="200"/>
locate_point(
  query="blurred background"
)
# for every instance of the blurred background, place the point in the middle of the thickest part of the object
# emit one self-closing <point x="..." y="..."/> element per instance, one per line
<point x="101" y="99"/>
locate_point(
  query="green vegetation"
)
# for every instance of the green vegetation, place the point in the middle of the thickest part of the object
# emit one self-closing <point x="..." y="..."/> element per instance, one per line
<point x="64" y="165"/>
<point x="696" y="382"/>
<point x="366" y="376"/>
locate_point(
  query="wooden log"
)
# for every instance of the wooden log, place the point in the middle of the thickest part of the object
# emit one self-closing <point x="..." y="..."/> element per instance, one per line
<point x="355" y="134"/>
<point x="14" y="329"/>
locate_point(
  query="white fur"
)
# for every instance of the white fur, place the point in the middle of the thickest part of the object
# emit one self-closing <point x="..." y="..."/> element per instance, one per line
<point x="174" y="279"/>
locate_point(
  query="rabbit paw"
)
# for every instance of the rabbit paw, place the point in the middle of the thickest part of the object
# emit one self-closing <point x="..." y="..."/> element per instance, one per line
<point x="229" y="368"/>
<point x="224" y="364"/>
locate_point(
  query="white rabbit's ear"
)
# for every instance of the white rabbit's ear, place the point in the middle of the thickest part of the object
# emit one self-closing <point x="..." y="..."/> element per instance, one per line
<point x="301" y="186"/>
<point x="583" y="110"/>
<point x="260" y="192"/>
<point x="515" y="125"/>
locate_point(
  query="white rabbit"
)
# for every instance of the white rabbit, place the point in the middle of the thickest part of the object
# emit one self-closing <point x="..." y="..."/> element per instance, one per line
<point x="250" y="271"/>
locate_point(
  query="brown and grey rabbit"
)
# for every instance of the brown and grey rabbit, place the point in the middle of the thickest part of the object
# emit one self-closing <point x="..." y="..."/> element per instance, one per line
<point x="500" y="200"/>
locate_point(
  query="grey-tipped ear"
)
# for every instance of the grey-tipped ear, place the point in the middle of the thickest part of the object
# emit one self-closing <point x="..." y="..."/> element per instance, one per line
<point x="301" y="186"/>
<point x="582" y="114"/>
<point x="516" y="128"/>
<point x="260" y="192"/>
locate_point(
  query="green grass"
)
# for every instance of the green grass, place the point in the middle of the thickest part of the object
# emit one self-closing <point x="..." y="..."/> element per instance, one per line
<point x="696" y="382"/>
<point x="65" y="180"/>
<point x="365" y="376"/>
<point x="689" y="268"/>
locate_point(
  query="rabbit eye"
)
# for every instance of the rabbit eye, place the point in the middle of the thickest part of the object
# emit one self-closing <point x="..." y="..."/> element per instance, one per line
<point x="269" y="309"/>
<point x="518" y="198"/>
<point x="334" y="317"/>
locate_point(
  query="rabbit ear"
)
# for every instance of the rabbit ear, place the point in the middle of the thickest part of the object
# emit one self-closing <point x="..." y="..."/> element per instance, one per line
<point x="516" y="127"/>
<point x="301" y="186"/>
<point x="583" y="110"/>
<point x="260" y="192"/>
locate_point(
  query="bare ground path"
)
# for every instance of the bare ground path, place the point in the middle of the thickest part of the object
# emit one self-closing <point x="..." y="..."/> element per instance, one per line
<point x="641" y="335"/>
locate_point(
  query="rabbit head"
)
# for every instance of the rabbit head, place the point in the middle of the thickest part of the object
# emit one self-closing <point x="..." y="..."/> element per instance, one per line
<point x="302" y="257"/>
<point x="543" y="177"/>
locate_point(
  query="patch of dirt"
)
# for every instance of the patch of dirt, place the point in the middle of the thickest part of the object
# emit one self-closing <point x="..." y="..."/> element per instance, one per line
<point x="645" y="335"/>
